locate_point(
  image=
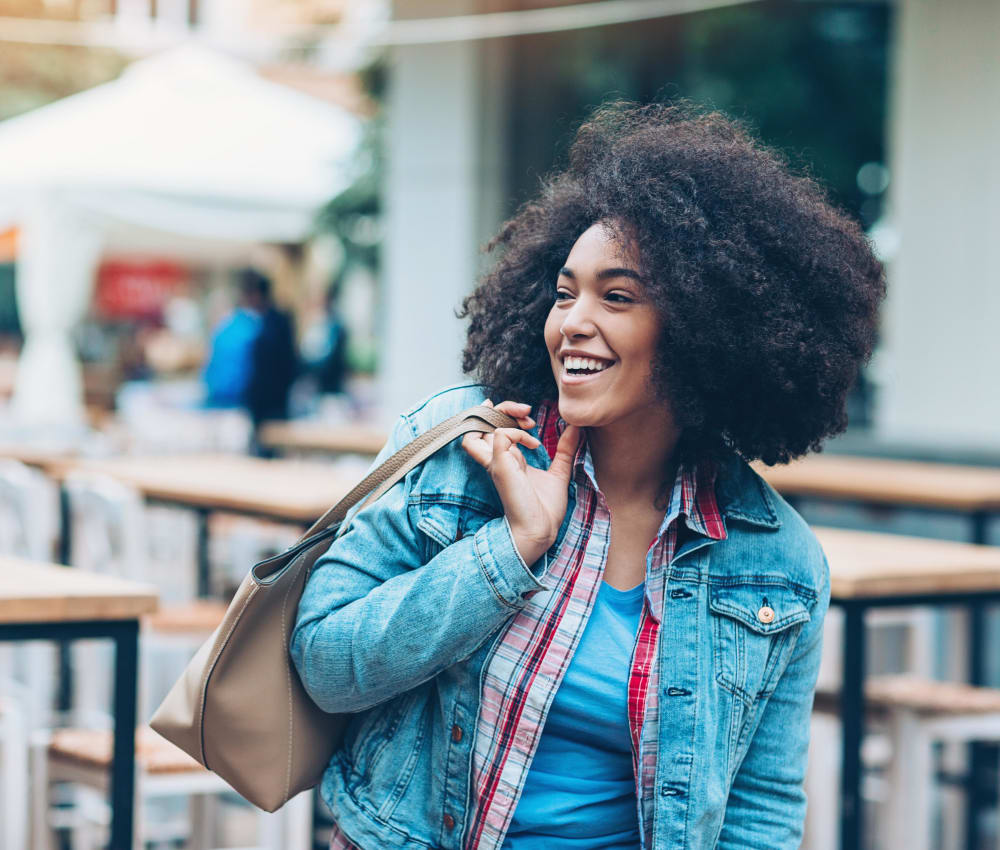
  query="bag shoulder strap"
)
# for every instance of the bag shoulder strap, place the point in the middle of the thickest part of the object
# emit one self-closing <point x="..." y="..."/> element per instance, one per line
<point x="393" y="469"/>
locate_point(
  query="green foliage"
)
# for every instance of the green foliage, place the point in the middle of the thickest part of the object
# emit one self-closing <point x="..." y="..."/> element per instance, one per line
<point x="353" y="215"/>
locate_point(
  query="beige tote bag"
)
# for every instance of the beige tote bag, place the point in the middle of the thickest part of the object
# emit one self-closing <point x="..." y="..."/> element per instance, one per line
<point x="239" y="707"/>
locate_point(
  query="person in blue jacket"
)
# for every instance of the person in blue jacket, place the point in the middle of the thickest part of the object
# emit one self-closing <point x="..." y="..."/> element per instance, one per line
<point x="601" y="629"/>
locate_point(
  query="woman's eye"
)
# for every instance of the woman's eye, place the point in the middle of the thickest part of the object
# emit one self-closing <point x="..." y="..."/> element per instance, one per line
<point x="562" y="295"/>
<point x="619" y="297"/>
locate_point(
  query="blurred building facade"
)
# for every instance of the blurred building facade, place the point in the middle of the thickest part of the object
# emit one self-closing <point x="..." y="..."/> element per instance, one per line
<point x="481" y="93"/>
<point x="941" y="345"/>
<point x="449" y="184"/>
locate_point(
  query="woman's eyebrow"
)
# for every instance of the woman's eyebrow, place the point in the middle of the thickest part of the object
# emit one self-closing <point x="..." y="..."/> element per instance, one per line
<point x="604" y="274"/>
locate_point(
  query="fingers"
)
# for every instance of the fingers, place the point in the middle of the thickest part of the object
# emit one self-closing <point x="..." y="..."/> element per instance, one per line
<point x="505" y="438"/>
<point x="516" y="410"/>
<point x="477" y="448"/>
<point x="506" y="457"/>
<point x="562" y="461"/>
<point x="488" y="449"/>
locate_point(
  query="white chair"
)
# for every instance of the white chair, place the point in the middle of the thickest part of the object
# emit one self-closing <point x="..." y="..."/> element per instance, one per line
<point x="908" y="715"/>
<point x="114" y="532"/>
<point x="83" y="757"/>
<point x="902" y="639"/>
<point x="237" y="543"/>
<point x="13" y="774"/>
<point x="29" y="525"/>
<point x="29" y="511"/>
<point x="166" y="420"/>
<point x="921" y="714"/>
<point x="110" y="534"/>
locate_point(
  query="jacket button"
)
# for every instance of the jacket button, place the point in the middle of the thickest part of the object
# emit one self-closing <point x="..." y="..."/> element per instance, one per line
<point x="456" y="733"/>
<point x="449" y="822"/>
<point x="766" y="614"/>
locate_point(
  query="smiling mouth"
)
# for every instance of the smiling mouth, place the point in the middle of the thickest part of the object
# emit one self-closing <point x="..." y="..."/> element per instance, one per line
<point x="585" y="365"/>
<point x="577" y="369"/>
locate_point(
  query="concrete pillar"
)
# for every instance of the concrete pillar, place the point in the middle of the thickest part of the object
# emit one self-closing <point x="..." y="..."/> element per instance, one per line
<point x="941" y="326"/>
<point x="441" y="202"/>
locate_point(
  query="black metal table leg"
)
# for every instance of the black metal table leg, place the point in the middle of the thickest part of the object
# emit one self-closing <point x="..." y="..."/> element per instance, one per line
<point x="125" y="634"/>
<point x="126" y="639"/>
<point x="852" y="713"/>
<point x="204" y="566"/>
<point x="979" y="766"/>
<point x="64" y="689"/>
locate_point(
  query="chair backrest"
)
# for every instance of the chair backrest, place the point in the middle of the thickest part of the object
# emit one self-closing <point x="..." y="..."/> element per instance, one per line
<point x="156" y="422"/>
<point x="108" y="526"/>
<point x="29" y="512"/>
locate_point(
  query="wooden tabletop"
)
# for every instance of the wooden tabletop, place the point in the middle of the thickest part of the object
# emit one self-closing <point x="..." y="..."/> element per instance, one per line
<point x="887" y="481"/>
<point x="33" y="592"/>
<point x="292" y="490"/>
<point x="865" y="564"/>
<point x="34" y="456"/>
<point x="322" y="437"/>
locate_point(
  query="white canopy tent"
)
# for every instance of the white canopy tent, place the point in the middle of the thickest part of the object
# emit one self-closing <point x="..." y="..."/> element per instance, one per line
<point x="185" y="145"/>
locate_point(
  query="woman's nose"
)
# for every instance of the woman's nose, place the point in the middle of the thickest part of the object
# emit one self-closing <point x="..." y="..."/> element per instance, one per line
<point x="578" y="321"/>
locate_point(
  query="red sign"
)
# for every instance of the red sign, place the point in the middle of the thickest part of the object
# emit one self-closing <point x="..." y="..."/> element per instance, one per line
<point x="136" y="289"/>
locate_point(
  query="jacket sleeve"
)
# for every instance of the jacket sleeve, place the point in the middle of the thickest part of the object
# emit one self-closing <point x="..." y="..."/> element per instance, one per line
<point x="767" y="802"/>
<point x="374" y="620"/>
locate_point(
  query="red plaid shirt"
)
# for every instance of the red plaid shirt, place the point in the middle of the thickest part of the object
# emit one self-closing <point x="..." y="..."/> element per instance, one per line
<point x="525" y="668"/>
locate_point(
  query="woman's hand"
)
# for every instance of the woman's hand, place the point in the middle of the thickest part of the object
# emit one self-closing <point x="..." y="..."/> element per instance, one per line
<point x="534" y="500"/>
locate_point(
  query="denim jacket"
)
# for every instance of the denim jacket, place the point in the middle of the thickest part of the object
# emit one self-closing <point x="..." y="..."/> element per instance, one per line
<point x="398" y="617"/>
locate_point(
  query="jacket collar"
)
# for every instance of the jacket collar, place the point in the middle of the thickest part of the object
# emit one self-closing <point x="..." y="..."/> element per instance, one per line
<point x="743" y="495"/>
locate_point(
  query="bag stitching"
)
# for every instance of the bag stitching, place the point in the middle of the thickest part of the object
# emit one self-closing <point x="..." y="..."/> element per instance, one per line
<point x="211" y="669"/>
<point x="288" y="684"/>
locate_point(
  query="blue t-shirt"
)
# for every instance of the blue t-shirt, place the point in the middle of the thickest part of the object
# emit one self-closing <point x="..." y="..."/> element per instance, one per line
<point x="580" y="788"/>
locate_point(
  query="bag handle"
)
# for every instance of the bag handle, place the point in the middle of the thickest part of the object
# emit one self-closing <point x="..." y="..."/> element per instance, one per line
<point x="480" y="418"/>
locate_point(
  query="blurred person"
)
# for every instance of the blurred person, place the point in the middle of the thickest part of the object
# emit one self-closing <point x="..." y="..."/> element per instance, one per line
<point x="324" y="346"/>
<point x="253" y="360"/>
<point x="274" y="362"/>
<point x="601" y="628"/>
<point x="230" y="361"/>
<point x="331" y="369"/>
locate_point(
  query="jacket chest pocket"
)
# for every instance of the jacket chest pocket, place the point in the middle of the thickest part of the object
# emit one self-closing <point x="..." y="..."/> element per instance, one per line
<point x="754" y="628"/>
<point x="445" y="520"/>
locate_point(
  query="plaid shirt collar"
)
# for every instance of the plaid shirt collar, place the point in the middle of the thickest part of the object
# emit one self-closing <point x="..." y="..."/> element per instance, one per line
<point x="692" y="497"/>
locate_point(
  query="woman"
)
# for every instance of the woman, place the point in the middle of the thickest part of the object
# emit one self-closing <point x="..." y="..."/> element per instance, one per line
<point x="602" y="629"/>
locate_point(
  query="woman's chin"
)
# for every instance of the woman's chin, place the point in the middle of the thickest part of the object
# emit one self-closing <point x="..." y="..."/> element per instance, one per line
<point x="573" y="414"/>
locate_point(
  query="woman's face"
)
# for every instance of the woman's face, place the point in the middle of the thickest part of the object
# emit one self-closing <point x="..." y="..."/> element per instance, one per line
<point x="601" y="335"/>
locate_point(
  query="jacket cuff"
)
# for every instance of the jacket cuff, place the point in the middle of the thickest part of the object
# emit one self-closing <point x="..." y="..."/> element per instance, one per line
<point x="510" y="577"/>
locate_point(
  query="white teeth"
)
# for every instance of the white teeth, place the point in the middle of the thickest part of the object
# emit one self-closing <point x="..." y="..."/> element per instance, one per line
<point x="585" y="363"/>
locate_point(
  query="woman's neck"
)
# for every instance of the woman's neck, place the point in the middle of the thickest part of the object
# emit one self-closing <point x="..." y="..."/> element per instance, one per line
<point x="635" y="459"/>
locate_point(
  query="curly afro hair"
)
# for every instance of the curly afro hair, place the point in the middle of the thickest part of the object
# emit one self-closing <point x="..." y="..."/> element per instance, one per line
<point x="768" y="295"/>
